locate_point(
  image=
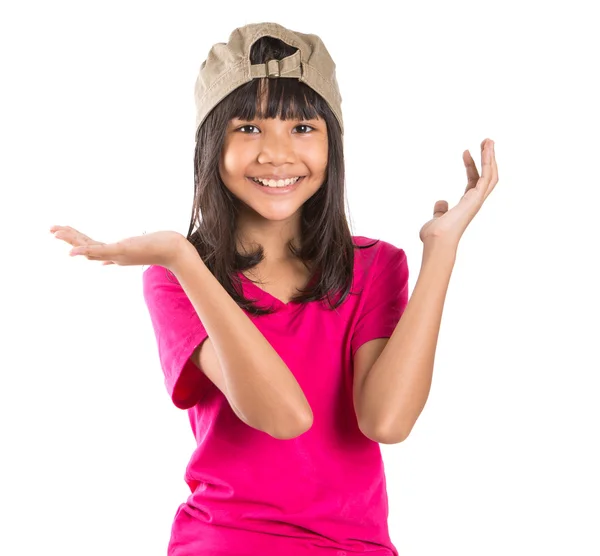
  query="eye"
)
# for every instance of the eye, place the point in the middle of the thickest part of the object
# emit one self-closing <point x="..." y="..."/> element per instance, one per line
<point x="305" y="125"/>
<point x="253" y="126"/>
<point x="244" y="126"/>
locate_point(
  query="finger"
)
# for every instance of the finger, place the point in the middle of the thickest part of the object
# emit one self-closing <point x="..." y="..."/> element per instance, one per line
<point x="494" y="179"/>
<point x="100" y="251"/>
<point x="89" y="258"/>
<point x="78" y="236"/>
<point x="75" y="241"/>
<point x="486" y="167"/>
<point x="99" y="259"/>
<point x="472" y="173"/>
<point x="67" y="237"/>
<point x="63" y="230"/>
<point x="71" y="235"/>
<point x="440" y="208"/>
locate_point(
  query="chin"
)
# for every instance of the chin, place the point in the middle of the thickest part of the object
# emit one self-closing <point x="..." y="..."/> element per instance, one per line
<point x="277" y="214"/>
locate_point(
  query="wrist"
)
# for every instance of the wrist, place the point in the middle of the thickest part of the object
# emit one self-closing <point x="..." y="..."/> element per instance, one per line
<point x="440" y="248"/>
<point x="183" y="253"/>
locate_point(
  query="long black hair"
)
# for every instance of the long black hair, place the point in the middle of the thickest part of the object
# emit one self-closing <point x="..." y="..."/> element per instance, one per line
<point x="326" y="246"/>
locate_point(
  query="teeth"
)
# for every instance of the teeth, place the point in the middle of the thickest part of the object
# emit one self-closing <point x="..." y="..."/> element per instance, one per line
<point x="276" y="183"/>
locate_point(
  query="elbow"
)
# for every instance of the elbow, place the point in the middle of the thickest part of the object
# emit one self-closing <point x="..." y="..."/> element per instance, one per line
<point x="385" y="435"/>
<point x="391" y="438"/>
<point x="281" y="428"/>
<point x="294" y="430"/>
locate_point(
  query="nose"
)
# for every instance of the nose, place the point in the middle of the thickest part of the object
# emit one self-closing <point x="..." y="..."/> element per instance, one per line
<point x="276" y="149"/>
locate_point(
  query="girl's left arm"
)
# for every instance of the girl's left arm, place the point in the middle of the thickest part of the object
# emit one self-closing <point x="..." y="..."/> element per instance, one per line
<point x="396" y="387"/>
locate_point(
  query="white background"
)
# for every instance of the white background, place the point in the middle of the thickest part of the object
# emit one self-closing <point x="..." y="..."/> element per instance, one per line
<point x="96" y="131"/>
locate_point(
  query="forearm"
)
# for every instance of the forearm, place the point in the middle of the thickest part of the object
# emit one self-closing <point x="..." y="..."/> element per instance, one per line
<point x="259" y="385"/>
<point x="397" y="386"/>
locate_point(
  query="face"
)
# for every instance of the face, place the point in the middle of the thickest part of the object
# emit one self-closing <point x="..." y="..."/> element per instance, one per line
<point x="270" y="148"/>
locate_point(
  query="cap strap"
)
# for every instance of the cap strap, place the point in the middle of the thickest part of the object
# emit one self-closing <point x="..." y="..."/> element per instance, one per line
<point x="287" y="67"/>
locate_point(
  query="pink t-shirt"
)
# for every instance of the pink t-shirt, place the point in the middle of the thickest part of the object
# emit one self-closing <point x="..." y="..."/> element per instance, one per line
<point x="322" y="493"/>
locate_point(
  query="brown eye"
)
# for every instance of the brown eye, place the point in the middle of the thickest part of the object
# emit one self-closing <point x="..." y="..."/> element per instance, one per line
<point x="308" y="127"/>
<point x="305" y="125"/>
<point x="244" y="126"/>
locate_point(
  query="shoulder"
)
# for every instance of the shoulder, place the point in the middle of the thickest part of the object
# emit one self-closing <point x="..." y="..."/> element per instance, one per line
<point x="381" y="274"/>
<point x="377" y="257"/>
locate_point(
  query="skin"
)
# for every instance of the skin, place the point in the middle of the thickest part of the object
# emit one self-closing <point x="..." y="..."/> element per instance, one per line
<point x="270" y="147"/>
<point x="449" y="225"/>
<point x="257" y="148"/>
<point x="280" y="216"/>
<point x="392" y="377"/>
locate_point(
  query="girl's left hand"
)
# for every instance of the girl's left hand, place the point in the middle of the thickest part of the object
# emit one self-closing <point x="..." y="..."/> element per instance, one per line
<point x="449" y="225"/>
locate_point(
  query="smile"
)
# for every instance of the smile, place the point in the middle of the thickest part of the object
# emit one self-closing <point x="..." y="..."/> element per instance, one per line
<point x="287" y="186"/>
<point x="276" y="183"/>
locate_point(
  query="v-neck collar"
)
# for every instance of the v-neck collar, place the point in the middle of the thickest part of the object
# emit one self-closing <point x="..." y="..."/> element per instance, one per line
<point x="275" y="302"/>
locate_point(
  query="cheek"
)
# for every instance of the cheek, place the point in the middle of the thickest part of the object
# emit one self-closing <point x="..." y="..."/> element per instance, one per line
<point x="227" y="162"/>
<point x="233" y="159"/>
<point x="315" y="157"/>
<point x="232" y="167"/>
<point x="323" y="153"/>
<point x="321" y="162"/>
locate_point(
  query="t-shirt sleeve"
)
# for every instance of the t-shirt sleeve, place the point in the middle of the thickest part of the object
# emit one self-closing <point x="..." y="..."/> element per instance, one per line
<point x="178" y="332"/>
<point x="385" y="296"/>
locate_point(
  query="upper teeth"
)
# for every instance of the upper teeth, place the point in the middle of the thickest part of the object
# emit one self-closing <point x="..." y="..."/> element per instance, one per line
<point x="277" y="183"/>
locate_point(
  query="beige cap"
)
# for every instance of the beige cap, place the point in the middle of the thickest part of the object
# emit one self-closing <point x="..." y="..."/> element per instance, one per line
<point x="228" y="66"/>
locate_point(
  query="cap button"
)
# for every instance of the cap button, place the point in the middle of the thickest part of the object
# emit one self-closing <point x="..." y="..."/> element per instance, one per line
<point x="273" y="69"/>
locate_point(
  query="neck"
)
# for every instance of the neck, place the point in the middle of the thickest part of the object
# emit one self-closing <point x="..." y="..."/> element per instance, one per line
<point x="272" y="235"/>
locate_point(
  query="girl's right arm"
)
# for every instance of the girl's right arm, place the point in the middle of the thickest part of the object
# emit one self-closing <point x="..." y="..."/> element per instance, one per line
<point x="238" y="359"/>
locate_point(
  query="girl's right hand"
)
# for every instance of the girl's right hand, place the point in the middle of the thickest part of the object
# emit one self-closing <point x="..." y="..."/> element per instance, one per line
<point x="158" y="248"/>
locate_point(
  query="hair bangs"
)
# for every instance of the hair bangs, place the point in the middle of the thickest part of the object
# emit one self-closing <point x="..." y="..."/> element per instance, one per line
<point x="283" y="98"/>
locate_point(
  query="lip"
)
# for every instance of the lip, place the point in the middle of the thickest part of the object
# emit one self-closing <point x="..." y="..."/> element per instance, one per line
<point x="277" y="177"/>
<point x="276" y="190"/>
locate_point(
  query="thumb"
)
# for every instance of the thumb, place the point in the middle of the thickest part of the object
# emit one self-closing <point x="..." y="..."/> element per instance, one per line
<point x="440" y="208"/>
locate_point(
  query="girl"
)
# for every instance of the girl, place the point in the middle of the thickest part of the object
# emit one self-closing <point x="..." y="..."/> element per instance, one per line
<point x="278" y="330"/>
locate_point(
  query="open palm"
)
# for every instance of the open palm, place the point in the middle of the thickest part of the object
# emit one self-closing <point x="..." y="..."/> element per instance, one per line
<point x="158" y="248"/>
<point x="451" y="224"/>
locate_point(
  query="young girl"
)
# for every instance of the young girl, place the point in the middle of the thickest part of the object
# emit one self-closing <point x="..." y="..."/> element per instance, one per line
<point x="278" y="330"/>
